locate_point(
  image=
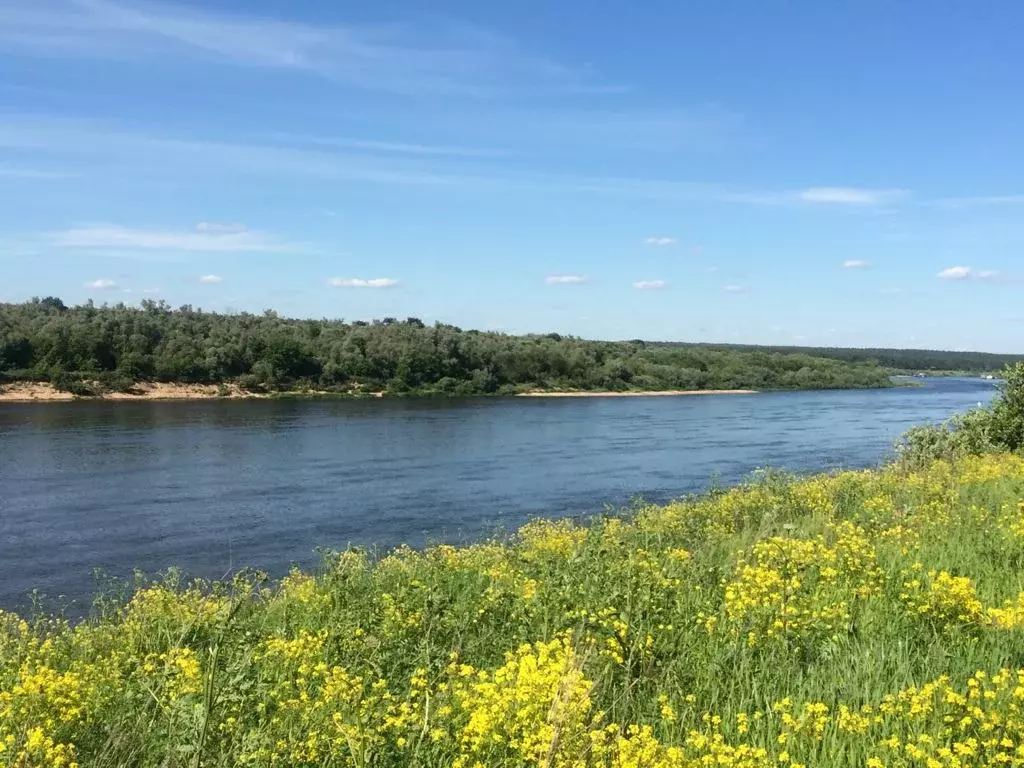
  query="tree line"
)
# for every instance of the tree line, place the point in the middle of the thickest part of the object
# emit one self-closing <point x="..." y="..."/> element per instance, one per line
<point x="88" y="346"/>
<point x="898" y="360"/>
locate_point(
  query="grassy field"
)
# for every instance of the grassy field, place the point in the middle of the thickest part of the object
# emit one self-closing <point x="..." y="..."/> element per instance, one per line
<point x="868" y="618"/>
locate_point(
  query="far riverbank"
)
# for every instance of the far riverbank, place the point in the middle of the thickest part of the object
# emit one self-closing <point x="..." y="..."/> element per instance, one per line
<point x="641" y="393"/>
<point x="44" y="392"/>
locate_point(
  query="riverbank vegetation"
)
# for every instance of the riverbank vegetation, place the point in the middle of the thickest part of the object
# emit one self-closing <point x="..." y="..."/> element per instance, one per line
<point x="90" y="350"/>
<point x="999" y="427"/>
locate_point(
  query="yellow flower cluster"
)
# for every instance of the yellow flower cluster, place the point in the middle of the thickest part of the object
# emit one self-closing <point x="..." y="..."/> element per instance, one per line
<point x="788" y="587"/>
<point x="943" y="598"/>
<point x="536" y="706"/>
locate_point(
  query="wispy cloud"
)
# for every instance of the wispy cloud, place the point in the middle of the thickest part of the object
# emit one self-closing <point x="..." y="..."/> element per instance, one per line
<point x="661" y="241"/>
<point x="565" y="279"/>
<point x="200" y="240"/>
<point x="967" y="273"/>
<point x="82" y="146"/>
<point x="812" y="197"/>
<point x="102" y="145"/>
<point x="856" y="264"/>
<point x="735" y="289"/>
<point x="93" y="144"/>
<point x="211" y="279"/>
<point x="649" y="285"/>
<point x="393" y="147"/>
<point x="981" y="201"/>
<point x="433" y="56"/>
<point x="102" y="284"/>
<point x="7" y="172"/>
<point x="851" y="196"/>
<point x="356" y="282"/>
<point x="221" y="229"/>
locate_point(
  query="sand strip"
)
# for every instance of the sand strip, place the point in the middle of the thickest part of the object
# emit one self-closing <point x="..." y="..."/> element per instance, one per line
<point x="41" y="392"/>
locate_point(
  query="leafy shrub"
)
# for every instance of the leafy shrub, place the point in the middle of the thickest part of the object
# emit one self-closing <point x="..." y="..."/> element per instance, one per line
<point x="1008" y="410"/>
<point x="999" y="427"/>
<point x="968" y="434"/>
<point x="112" y="381"/>
<point x="77" y="387"/>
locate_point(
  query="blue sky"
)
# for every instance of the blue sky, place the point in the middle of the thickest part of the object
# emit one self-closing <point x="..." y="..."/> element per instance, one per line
<point x="763" y="172"/>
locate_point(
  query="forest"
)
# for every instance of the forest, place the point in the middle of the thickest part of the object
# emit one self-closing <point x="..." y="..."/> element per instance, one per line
<point x="90" y="349"/>
<point x="897" y="360"/>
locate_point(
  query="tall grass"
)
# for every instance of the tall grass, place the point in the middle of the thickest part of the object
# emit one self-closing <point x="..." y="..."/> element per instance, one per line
<point x="856" y="619"/>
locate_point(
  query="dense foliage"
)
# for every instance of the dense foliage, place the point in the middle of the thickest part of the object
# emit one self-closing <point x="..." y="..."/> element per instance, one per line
<point x="1000" y="427"/>
<point x="45" y="340"/>
<point x="859" y="620"/>
<point x="902" y="360"/>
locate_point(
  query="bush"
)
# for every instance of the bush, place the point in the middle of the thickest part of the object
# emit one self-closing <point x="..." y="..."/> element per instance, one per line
<point x="997" y="428"/>
<point x="1008" y="410"/>
<point x="969" y="434"/>
<point x="250" y="383"/>
<point x="116" y="382"/>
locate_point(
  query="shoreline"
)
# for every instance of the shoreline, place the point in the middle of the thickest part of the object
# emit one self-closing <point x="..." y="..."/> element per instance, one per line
<point x="639" y="393"/>
<point x="21" y="392"/>
<point x="43" y="392"/>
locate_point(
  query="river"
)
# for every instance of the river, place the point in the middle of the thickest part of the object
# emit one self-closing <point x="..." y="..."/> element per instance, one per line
<point x="212" y="486"/>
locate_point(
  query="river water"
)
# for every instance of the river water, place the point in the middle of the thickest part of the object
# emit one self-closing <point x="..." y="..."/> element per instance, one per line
<point x="213" y="486"/>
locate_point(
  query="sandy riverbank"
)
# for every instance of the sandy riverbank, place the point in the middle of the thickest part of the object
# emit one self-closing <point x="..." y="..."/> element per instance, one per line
<point x="654" y="393"/>
<point x="40" y="392"/>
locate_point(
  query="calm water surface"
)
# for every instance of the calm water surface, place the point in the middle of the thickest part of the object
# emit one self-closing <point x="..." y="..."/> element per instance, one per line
<point x="212" y="486"/>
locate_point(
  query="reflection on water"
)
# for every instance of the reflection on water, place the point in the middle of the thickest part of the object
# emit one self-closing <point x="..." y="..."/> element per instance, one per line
<point x="211" y="486"/>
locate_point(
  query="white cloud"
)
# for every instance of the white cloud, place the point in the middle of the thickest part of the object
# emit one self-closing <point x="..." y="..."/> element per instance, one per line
<point x="850" y="196"/>
<point x="114" y="236"/>
<point x="233" y="228"/>
<point x="151" y="290"/>
<point x="966" y="273"/>
<point x="735" y="289"/>
<point x="565" y="279"/>
<point x="661" y="241"/>
<point x="102" y="284"/>
<point x="649" y="285"/>
<point x="856" y="264"/>
<point x="356" y="282"/>
<point x="211" y="279"/>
